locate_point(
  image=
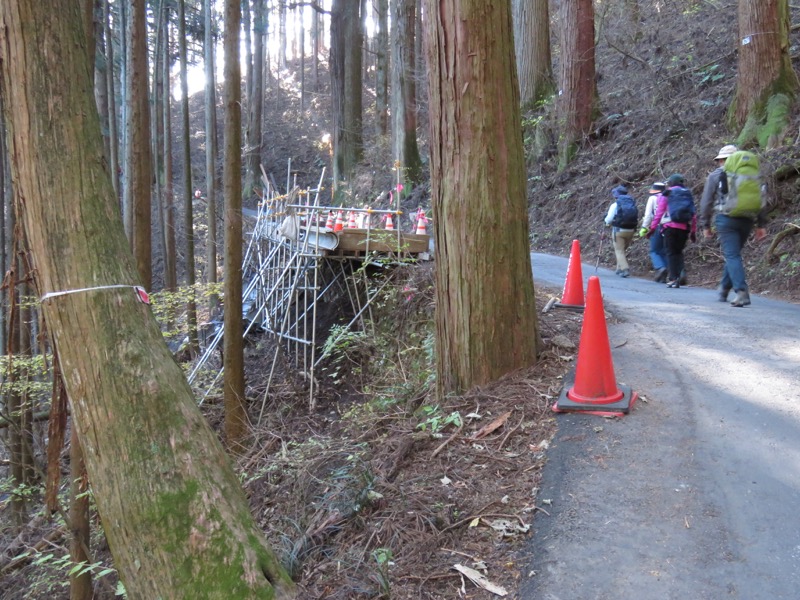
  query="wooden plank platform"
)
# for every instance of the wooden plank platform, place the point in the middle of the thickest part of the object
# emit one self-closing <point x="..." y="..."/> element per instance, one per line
<point x="380" y="240"/>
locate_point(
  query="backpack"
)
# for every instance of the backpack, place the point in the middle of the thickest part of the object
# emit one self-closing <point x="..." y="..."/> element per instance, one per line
<point x="680" y="205"/>
<point x="627" y="215"/>
<point x="740" y="186"/>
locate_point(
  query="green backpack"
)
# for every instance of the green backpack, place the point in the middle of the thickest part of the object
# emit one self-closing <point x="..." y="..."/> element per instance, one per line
<point x="740" y="185"/>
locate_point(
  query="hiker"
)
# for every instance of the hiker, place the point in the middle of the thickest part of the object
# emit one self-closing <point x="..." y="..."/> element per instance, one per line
<point x="677" y="216"/>
<point x="733" y="196"/>
<point x="658" y="255"/>
<point x="622" y="217"/>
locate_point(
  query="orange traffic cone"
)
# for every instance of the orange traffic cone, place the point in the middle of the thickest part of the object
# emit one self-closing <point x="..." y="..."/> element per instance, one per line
<point x="573" y="286"/>
<point x="595" y="388"/>
<point x="389" y="222"/>
<point x="339" y="225"/>
<point x="351" y="223"/>
<point x="330" y="222"/>
<point x="422" y="221"/>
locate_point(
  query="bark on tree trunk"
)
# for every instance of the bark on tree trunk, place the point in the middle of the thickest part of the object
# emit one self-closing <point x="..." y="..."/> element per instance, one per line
<point x="485" y="315"/>
<point x="236" y="428"/>
<point x="188" y="191"/>
<point x="113" y="137"/>
<point x="138" y="160"/>
<point x="577" y="106"/>
<point x="765" y="67"/>
<point x="532" y="43"/>
<point x="175" y="517"/>
<point x="382" y="67"/>
<point x="80" y="586"/>
<point x="211" y="154"/>
<point x="404" y="100"/>
<point x="255" y="103"/>
<point x="170" y="252"/>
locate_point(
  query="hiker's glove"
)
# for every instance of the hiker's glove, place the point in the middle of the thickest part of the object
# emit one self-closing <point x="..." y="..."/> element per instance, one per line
<point x="643" y="231"/>
<point x="650" y="233"/>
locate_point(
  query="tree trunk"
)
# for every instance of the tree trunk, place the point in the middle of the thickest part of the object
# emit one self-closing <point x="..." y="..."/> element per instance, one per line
<point x="211" y="153"/>
<point x="113" y="136"/>
<point x="12" y="396"/>
<point x="338" y="99"/>
<point x="139" y="174"/>
<point x="282" y="45"/>
<point x="188" y="192"/>
<point x="345" y="67"/>
<point x="233" y="359"/>
<point x="353" y="137"/>
<point x="382" y="67"/>
<point x="248" y="49"/>
<point x="170" y="246"/>
<point x="578" y="104"/>
<point x="532" y="43"/>
<point x="485" y="314"/>
<point x="403" y="91"/>
<point x="766" y="82"/>
<point x="80" y="586"/>
<point x="255" y="102"/>
<point x="175" y="517"/>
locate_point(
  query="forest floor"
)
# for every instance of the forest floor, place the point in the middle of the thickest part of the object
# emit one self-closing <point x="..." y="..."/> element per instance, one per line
<point x="378" y="491"/>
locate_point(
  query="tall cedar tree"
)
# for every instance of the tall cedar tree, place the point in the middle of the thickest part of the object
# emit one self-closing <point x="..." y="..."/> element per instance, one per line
<point x="138" y="164"/>
<point x="233" y="360"/>
<point x="211" y="150"/>
<point x="176" y="519"/>
<point x="486" y="322"/>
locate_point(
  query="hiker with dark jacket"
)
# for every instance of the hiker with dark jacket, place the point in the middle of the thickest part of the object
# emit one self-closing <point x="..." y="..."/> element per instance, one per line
<point x="676" y="214"/>
<point x="732" y="231"/>
<point x="622" y="217"/>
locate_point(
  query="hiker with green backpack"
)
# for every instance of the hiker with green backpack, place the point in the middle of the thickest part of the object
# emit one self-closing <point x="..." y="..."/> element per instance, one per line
<point x="733" y="197"/>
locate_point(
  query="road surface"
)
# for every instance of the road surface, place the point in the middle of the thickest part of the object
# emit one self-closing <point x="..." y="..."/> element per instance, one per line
<point x="696" y="493"/>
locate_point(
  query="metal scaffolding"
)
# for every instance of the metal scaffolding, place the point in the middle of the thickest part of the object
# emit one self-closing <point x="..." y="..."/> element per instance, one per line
<point x="293" y="263"/>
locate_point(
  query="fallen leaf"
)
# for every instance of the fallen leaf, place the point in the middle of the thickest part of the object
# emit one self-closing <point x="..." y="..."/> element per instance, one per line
<point x="487" y="429"/>
<point x="479" y="580"/>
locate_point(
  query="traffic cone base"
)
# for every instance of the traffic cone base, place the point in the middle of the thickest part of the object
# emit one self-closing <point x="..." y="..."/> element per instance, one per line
<point x="607" y="408"/>
<point x="573" y="286"/>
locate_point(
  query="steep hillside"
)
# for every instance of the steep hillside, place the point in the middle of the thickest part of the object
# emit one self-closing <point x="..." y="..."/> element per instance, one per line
<point x="665" y="84"/>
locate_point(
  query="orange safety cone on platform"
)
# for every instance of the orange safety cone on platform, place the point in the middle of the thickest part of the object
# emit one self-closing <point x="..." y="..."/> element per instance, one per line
<point x="351" y="223"/>
<point x="422" y="221"/>
<point x="595" y="388"/>
<point x="329" y="224"/>
<point x="339" y="225"/>
<point x="389" y="222"/>
<point x="573" y="286"/>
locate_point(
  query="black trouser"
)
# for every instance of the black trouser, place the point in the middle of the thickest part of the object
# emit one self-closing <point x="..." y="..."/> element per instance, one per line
<point x="675" y="242"/>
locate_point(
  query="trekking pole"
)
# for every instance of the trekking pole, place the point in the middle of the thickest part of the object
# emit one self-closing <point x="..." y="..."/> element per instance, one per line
<point x="599" y="251"/>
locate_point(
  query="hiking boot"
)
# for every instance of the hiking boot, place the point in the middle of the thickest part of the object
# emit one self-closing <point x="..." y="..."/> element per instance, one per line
<point x="742" y="298"/>
<point x="618" y="272"/>
<point x="660" y="276"/>
<point x="624" y="273"/>
<point x="674" y="284"/>
<point x="722" y="293"/>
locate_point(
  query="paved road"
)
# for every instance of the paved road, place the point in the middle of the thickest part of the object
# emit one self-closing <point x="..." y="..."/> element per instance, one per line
<point x="695" y="494"/>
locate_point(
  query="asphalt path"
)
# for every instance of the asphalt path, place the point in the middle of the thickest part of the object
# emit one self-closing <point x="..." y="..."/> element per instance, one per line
<point x="696" y="493"/>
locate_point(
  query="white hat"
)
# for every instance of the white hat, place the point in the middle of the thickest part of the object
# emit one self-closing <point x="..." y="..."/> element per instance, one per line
<point x="726" y="151"/>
